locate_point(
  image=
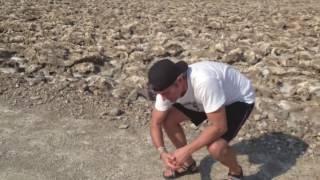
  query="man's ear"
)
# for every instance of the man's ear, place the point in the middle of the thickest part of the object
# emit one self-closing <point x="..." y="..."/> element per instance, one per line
<point x="181" y="78"/>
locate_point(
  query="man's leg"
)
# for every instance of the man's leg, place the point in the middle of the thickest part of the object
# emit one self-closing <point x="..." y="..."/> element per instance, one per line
<point x="174" y="129"/>
<point x="237" y="113"/>
<point x="175" y="132"/>
<point x="221" y="151"/>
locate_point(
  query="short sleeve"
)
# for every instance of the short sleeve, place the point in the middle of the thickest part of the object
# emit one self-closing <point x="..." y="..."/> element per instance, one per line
<point x="211" y="94"/>
<point x="161" y="104"/>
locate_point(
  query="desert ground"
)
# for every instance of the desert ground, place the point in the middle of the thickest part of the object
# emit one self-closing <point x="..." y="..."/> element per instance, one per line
<point x="73" y="95"/>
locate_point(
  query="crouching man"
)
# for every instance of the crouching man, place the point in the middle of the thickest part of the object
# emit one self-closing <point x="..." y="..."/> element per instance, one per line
<point x="203" y="90"/>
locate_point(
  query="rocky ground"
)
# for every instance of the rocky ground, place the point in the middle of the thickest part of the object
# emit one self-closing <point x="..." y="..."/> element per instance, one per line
<point x="72" y="75"/>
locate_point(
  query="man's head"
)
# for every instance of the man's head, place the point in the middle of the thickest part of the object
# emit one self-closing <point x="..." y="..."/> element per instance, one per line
<point x="166" y="78"/>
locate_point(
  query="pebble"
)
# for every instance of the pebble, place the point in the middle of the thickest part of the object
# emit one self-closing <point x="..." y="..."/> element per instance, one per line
<point x="250" y="57"/>
<point x="115" y="112"/>
<point x="132" y="96"/>
<point x="123" y="126"/>
<point x="8" y="70"/>
<point x="35" y="97"/>
<point x="220" y="47"/>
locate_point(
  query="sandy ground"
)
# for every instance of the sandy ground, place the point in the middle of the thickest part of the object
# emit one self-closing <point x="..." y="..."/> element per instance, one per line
<point x="70" y="110"/>
<point x="38" y="144"/>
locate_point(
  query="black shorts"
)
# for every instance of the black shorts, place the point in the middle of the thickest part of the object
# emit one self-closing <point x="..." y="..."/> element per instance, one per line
<point x="237" y="113"/>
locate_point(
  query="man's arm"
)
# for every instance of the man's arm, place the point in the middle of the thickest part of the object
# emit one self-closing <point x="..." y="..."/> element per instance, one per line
<point x="157" y="118"/>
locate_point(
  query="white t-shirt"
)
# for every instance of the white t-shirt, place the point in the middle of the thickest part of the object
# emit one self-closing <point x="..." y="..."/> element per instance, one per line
<point x="211" y="85"/>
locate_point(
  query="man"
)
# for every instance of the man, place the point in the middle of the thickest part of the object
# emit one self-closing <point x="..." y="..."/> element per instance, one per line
<point x="200" y="91"/>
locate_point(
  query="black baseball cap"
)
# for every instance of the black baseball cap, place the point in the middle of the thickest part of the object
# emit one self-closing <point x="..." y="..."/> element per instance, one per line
<point x="163" y="73"/>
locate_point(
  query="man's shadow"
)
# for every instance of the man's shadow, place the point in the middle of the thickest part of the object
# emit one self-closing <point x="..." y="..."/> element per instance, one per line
<point x="275" y="152"/>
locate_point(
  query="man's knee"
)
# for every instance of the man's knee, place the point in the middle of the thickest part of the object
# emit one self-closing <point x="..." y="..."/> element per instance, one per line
<point x="218" y="148"/>
<point x="174" y="117"/>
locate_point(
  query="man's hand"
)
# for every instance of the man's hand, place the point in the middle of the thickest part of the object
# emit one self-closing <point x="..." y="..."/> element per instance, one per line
<point x="168" y="159"/>
<point x="181" y="155"/>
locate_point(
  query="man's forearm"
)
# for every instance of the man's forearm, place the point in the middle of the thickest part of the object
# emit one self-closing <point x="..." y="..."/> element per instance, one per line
<point x="157" y="119"/>
<point x="156" y="135"/>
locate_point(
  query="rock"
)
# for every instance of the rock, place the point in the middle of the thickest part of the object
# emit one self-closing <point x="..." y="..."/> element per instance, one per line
<point x="119" y="93"/>
<point x="115" y="112"/>
<point x="316" y="63"/>
<point x="215" y="25"/>
<point x="84" y="68"/>
<point x="123" y="126"/>
<point x="234" y="37"/>
<point x="259" y="117"/>
<point x="17" y="59"/>
<point x="262" y="125"/>
<point x="158" y="51"/>
<point x="35" y="80"/>
<point x="278" y="115"/>
<point x="265" y="72"/>
<point x="264" y="48"/>
<point x="278" y="71"/>
<point x="132" y="69"/>
<point x="8" y="70"/>
<point x="93" y="58"/>
<point x="304" y="55"/>
<point x="161" y="38"/>
<point x="315" y="90"/>
<point x="290" y="106"/>
<point x="98" y="82"/>
<point x="137" y="56"/>
<point x="108" y="72"/>
<point x="233" y="56"/>
<point x="287" y="89"/>
<point x="30" y="53"/>
<point x="174" y="48"/>
<point x="17" y="39"/>
<point x="130" y="28"/>
<point x="250" y="57"/>
<point x="133" y="95"/>
<point x="146" y="93"/>
<point x="32" y="68"/>
<point x="137" y="80"/>
<point x="117" y="64"/>
<point x="35" y="97"/>
<point x="220" y="47"/>
<point x="276" y="51"/>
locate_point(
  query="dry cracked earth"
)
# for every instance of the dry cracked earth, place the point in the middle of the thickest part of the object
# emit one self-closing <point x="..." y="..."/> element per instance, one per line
<point x="73" y="101"/>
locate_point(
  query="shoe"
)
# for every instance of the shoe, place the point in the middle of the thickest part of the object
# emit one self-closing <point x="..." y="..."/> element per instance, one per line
<point x="186" y="169"/>
<point x="235" y="177"/>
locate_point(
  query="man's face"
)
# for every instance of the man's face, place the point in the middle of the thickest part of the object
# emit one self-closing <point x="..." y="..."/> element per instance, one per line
<point x="173" y="92"/>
